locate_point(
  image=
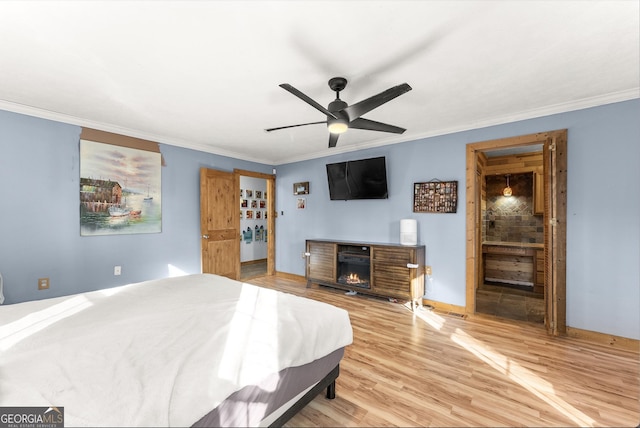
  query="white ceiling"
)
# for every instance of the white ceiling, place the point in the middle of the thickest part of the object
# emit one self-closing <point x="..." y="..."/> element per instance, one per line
<point x="205" y="74"/>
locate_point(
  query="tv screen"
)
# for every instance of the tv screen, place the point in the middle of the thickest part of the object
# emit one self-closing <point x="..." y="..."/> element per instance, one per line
<point x="359" y="179"/>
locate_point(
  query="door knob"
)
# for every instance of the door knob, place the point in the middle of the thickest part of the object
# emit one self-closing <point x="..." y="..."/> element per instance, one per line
<point x="205" y="236"/>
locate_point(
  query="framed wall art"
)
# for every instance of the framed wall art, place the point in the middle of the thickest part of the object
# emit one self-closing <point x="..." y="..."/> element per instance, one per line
<point x="301" y="188"/>
<point x="120" y="190"/>
<point x="435" y="196"/>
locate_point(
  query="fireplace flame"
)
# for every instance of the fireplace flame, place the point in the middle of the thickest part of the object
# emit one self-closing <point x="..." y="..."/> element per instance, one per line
<point x="353" y="278"/>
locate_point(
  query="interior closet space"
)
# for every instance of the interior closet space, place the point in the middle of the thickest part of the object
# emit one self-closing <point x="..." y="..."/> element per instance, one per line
<point x="511" y="280"/>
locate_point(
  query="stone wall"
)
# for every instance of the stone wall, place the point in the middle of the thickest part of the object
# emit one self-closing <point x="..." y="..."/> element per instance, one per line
<point x="511" y="219"/>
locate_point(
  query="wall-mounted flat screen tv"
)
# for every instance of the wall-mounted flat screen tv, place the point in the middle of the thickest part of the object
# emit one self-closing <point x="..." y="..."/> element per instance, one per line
<point x="358" y="179"/>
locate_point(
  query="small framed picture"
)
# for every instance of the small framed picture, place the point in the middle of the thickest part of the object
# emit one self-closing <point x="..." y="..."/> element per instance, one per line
<point x="302" y="203"/>
<point x="258" y="194"/>
<point x="263" y="204"/>
<point x="244" y="203"/>
<point x="249" y="214"/>
<point x="254" y="203"/>
<point x="249" y="193"/>
<point x="258" y="215"/>
<point x="301" y="188"/>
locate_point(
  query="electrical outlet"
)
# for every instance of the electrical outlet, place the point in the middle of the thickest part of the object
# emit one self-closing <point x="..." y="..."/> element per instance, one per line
<point x="117" y="270"/>
<point x="428" y="271"/>
<point x="43" y="283"/>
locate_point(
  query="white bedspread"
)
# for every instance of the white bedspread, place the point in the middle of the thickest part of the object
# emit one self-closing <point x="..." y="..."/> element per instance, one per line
<point x="157" y="353"/>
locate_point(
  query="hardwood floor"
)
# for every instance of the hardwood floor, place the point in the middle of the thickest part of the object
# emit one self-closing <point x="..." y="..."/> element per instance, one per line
<point x="432" y="369"/>
<point x="253" y="269"/>
<point x="509" y="303"/>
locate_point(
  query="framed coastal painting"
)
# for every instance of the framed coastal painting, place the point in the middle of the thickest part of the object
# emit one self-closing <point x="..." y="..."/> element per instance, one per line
<point x="120" y="190"/>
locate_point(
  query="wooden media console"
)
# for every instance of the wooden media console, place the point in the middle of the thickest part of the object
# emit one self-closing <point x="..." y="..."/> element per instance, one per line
<point x="385" y="270"/>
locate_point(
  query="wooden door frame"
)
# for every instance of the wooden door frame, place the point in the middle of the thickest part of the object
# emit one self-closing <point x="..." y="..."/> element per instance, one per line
<point x="271" y="210"/>
<point x="554" y="216"/>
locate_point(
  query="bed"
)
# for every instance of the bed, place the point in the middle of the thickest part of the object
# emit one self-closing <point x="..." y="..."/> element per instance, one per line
<point x="197" y="350"/>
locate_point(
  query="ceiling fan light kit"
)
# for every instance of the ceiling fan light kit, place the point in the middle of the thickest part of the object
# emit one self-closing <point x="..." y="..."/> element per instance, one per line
<point x="341" y="116"/>
<point x="337" y="126"/>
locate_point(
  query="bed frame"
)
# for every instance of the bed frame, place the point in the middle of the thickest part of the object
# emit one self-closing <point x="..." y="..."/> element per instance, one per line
<point x="329" y="382"/>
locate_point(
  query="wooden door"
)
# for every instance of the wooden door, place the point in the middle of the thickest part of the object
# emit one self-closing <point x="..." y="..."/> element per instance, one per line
<point x="555" y="229"/>
<point x="220" y="222"/>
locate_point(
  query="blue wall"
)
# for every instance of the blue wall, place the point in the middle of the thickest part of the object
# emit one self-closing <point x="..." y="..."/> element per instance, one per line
<point x="40" y="215"/>
<point x="603" y="209"/>
<point x="40" y="232"/>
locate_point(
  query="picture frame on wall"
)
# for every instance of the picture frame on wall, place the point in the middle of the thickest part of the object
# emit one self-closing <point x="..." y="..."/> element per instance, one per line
<point x="435" y="196"/>
<point x="129" y="201"/>
<point x="301" y="188"/>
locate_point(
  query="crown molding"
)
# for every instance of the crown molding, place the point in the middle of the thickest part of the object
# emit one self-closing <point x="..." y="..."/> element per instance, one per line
<point x="549" y="110"/>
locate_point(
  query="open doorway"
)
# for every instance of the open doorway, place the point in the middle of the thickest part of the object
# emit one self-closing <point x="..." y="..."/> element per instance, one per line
<point x="257" y="248"/>
<point x="551" y="259"/>
<point x="510" y="282"/>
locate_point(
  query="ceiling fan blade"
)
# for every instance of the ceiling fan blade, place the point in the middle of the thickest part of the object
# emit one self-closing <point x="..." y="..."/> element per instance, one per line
<point x="293" y="126"/>
<point x="358" y="109"/>
<point x="333" y="140"/>
<point x="307" y="99"/>
<point x="372" y="125"/>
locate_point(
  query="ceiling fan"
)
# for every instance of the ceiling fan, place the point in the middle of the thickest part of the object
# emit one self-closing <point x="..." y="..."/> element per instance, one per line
<point x="341" y="116"/>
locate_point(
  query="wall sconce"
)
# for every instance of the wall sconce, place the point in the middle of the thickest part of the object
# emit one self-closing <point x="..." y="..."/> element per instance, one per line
<point x="507" y="190"/>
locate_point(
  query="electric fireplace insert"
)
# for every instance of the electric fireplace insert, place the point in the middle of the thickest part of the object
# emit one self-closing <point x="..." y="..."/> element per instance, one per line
<point x="354" y="266"/>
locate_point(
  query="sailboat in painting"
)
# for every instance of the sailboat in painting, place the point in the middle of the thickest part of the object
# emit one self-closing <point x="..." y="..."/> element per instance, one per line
<point x="148" y="197"/>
